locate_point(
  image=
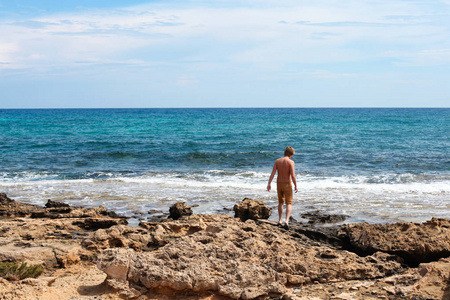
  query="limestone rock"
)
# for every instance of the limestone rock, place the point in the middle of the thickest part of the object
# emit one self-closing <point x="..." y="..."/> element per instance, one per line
<point x="53" y="210"/>
<point x="12" y="208"/>
<point x="148" y="236"/>
<point x="415" y="243"/>
<point x="435" y="281"/>
<point x="205" y="256"/>
<point x="251" y="209"/>
<point x="179" y="210"/>
<point x="239" y="260"/>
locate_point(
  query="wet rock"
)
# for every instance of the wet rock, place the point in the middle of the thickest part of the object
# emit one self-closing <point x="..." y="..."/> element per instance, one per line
<point x="415" y="243"/>
<point x="179" y="210"/>
<point x="318" y="217"/>
<point x="55" y="204"/>
<point x="251" y="209"/>
<point x="326" y="235"/>
<point x="99" y="222"/>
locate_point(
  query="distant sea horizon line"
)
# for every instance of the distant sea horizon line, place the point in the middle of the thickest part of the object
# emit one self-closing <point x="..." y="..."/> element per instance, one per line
<point x="231" y="107"/>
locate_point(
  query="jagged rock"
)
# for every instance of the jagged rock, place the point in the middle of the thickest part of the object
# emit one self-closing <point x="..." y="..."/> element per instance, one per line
<point x="4" y="200"/>
<point x="53" y="204"/>
<point x="251" y="209"/>
<point x="238" y="260"/>
<point x="117" y="236"/>
<point x="148" y="236"/>
<point x="212" y="255"/>
<point x="11" y="208"/>
<point x="415" y="243"/>
<point x="53" y="210"/>
<point x="179" y="210"/>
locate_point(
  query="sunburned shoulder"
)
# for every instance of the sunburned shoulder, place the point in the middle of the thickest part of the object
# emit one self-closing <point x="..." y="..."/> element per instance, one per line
<point x="284" y="160"/>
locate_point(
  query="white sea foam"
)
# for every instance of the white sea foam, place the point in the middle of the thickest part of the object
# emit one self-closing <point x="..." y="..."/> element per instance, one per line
<point x="380" y="198"/>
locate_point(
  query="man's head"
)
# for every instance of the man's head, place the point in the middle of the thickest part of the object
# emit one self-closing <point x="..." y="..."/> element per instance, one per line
<point x="289" y="151"/>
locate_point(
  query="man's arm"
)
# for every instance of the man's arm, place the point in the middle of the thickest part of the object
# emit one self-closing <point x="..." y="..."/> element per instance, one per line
<point x="271" y="176"/>
<point x="293" y="176"/>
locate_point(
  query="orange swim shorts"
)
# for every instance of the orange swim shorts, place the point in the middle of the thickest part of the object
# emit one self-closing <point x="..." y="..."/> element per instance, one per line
<point x="285" y="194"/>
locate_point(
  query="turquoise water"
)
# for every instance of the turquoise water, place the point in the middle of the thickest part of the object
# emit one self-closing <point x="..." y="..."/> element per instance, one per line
<point x="377" y="165"/>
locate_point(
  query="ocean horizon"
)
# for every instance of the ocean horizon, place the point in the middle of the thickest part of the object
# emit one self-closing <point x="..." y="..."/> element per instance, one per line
<point x="376" y="165"/>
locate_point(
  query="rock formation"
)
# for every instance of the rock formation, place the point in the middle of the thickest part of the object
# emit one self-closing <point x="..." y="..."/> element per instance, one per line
<point x="238" y="260"/>
<point x="54" y="210"/>
<point x="250" y="209"/>
<point x="179" y="210"/>
<point x="199" y="256"/>
<point x="415" y="243"/>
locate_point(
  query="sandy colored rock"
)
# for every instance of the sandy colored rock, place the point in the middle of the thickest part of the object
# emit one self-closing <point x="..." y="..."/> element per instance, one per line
<point x="54" y="210"/>
<point x="435" y="280"/>
<point x="239" y="260"/>
<point x="214" y="257"/>
<point x="415" y="243"/>
<point x="251" y="209"/>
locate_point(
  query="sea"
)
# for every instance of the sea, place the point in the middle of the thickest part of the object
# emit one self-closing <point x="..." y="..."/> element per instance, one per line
<point x="376" y="165"/>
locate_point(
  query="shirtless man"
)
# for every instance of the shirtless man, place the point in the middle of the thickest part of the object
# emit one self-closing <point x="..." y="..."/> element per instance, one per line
<point x="286" y="172"/>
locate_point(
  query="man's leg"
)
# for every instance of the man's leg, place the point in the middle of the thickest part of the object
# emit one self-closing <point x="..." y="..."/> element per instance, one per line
<point x="288" y="212"/>
<point x="280" y="213"/>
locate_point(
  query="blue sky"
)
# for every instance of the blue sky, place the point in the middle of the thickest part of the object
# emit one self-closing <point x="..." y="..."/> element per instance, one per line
<point x="194" y="53"/>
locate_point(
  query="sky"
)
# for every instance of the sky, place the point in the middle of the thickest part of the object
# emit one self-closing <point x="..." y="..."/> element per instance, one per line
<point x="217" y="53"/>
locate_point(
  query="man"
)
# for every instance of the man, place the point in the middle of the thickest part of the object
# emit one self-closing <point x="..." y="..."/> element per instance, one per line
<point x="286" y="172"/>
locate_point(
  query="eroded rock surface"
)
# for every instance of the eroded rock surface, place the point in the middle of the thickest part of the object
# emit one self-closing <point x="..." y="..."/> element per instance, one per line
<point x="178" y="210"/>
<point x="239" y="260"/>
<point x="415" y="243"/>
<point x="49" y="235"/>
<point x="217" y="256"/>
<point x="53" y="210"/>
<point x="251" y="209"/>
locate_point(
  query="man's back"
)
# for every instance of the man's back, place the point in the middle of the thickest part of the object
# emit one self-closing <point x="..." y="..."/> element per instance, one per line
<point x="285" y="168"/>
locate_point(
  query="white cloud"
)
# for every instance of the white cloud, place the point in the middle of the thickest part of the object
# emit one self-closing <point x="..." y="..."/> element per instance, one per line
<point x="257" y="32"/>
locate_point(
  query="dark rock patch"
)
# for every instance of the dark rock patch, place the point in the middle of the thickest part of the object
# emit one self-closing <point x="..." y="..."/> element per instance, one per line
<point x="179" y="210"/>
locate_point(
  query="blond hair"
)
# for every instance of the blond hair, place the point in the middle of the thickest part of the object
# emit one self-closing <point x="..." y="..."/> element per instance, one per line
<point x="289" y="151"/>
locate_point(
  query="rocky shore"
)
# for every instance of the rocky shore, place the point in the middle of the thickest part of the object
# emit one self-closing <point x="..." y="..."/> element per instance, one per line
<point x="91" y="253"/>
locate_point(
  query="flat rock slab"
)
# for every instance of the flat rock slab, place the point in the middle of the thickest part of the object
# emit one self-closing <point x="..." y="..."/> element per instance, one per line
<point x="415" y="243"/>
